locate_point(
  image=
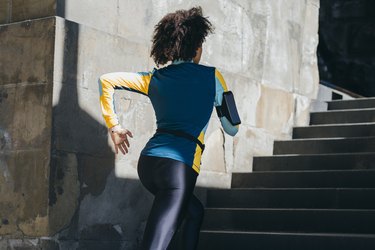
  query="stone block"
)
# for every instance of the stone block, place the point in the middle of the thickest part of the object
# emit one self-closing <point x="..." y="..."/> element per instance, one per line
<point x="32" y="117"/>
<point x="25" y="192"/>
<point x="24" y="10"/>
<point x="275" y="111"/>
<point x="213" y="179"/>
<point x="231" y="46"/>
<point x="4" y="11"/>
<point x="7" y="109"/>
<point x="26" y="116"/>
<point x="282" y="48"/>
<point x="309" y="75"/>
<point x="250" y="142"/>
<point x="28" y="244"/>
<point x="101" y="15"/>
<point x="27" y="50"/>
<point x="214" y="152"/>
<point x="10" y="201"/>
<point x="64" y="189"/>
<point x="302" y="110"/>
<point x="247" y="93"/>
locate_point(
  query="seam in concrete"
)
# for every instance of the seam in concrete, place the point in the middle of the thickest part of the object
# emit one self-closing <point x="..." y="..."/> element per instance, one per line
<point x="23" y="84"/>
<point x="20" y="230"/>
<point x="28" y="20"/>
<point x="9" y="17"/>
<point x="118" y="16"/>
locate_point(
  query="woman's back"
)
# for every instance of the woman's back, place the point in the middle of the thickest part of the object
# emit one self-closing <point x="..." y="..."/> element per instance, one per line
<point x="182" y="95"/>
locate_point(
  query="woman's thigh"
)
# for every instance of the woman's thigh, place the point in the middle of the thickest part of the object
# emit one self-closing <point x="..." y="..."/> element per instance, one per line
<point x="158" y="173"/>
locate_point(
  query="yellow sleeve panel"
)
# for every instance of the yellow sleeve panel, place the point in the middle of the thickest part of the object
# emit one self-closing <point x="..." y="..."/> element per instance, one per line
<point x="219" y="78"/>
<point x="198" y="154"/>
<point x="137" y="82"/>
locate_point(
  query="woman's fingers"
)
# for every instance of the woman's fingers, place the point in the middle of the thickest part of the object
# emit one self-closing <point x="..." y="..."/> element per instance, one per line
<point x="121" y="148"/>
<point x="126" y="141"/>
<point x="129" y="133"/>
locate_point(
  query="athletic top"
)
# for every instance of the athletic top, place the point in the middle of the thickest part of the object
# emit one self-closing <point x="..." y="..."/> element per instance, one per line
<point x="182" y="94"/>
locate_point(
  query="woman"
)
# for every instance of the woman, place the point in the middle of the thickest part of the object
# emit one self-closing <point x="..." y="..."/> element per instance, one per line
<point x="183" y="95"/>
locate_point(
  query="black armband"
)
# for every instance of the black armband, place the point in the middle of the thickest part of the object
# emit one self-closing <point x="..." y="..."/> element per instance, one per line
<point x="228" y="109"/>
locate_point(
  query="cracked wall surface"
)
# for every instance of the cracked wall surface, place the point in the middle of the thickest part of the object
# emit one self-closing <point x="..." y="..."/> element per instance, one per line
<point x="62" y="186"/>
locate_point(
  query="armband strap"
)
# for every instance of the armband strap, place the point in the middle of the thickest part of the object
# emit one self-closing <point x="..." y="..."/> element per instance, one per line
<point x="228" y="109"/>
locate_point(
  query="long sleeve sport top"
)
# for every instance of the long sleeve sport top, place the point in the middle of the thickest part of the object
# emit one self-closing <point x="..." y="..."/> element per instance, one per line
<point x="182" y="94"/>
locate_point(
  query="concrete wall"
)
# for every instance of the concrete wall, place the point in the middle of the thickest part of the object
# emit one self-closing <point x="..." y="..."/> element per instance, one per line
<point x="26" y="73"/>
<point x="87" y="197"/>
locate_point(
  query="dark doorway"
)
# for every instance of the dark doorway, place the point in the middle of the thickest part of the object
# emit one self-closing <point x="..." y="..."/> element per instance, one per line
<point x="346" y="50"/>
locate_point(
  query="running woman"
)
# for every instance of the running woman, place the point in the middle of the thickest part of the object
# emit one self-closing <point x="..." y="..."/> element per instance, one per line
<point x="183" y="94"/>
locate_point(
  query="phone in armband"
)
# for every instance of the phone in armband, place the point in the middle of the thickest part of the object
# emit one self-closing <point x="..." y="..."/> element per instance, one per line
<point x="228" y="109"/>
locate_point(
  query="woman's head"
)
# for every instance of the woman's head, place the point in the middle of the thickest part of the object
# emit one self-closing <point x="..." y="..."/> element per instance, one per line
<point x="179" y="35"/>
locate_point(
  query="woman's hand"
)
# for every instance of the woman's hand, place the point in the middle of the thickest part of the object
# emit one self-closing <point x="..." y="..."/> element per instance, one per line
<point x="120" y="139"/>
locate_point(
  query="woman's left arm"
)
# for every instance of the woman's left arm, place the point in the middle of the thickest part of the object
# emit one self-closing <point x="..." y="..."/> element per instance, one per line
<point x="137" y="82"/>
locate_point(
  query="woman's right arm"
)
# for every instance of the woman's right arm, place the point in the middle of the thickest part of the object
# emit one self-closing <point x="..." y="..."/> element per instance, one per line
<point x="221" y="87"/>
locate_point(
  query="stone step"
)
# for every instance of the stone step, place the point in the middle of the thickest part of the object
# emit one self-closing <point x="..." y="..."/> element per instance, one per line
<point x="324" y="145"/>
<point x="339" y="161"/>
<point x="342" y="116"/>
<point x="291" y="220"/>
<point x="245" y="240"/>
<point x="305" y="179"/>
<point x="339" y="130"/>
<point x="360" y="103"/>
<point x="334" y="198"/>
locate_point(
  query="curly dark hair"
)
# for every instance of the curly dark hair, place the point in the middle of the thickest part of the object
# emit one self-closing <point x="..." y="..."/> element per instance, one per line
<point x="178" y="35"/>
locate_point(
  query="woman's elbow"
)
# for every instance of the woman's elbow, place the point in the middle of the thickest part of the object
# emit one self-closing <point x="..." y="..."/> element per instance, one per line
<point x="232" y="131"/>
<point x="228" y="127"/>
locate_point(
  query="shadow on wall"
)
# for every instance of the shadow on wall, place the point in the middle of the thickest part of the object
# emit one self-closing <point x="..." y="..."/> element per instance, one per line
<point x="105" y="211"/>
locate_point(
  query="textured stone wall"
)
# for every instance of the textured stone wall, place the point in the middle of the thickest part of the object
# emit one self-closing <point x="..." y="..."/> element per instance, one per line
<point x="19" y="10"/>
<point x="89" y="197"/>
<point x="26" y="73"/>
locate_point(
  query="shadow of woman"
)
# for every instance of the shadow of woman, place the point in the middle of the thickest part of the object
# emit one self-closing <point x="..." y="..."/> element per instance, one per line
<point x="90" y="207"/>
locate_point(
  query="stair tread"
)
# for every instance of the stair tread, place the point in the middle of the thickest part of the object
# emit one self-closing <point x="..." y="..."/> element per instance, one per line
<point x="352" y="100"/>
<point x="337" y="125"/>
<point x="360" y="235"/>
<point x="343" y="110"/>
<point x="328" y="139"/>
<point x="315" y="155"/>
<point x="332" y="210"/>
<point x="309" y="171"/>
<point x="292" y="189"/>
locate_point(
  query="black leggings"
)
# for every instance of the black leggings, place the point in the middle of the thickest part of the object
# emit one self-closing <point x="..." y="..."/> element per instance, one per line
<point x="172" y="183"/>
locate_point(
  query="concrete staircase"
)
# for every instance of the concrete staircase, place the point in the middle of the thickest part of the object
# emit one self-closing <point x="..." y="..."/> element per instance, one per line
<point x="317" y="192"/>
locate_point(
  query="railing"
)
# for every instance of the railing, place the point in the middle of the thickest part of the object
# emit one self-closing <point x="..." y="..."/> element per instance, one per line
<point x="340" y="89"/>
